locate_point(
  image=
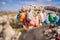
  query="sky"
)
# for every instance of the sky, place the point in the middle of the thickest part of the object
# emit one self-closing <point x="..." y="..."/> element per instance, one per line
<point x="15" y="5"/>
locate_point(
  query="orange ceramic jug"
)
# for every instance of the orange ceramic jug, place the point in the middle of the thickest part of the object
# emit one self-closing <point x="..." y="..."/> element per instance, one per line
<point x="21" y="17"/>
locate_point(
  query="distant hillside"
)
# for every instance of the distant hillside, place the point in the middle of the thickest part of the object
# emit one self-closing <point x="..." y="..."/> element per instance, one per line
<point x="5" y="13"/>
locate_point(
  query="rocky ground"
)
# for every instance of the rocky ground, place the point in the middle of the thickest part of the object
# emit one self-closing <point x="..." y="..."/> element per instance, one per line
<point x="33" y="34"/>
